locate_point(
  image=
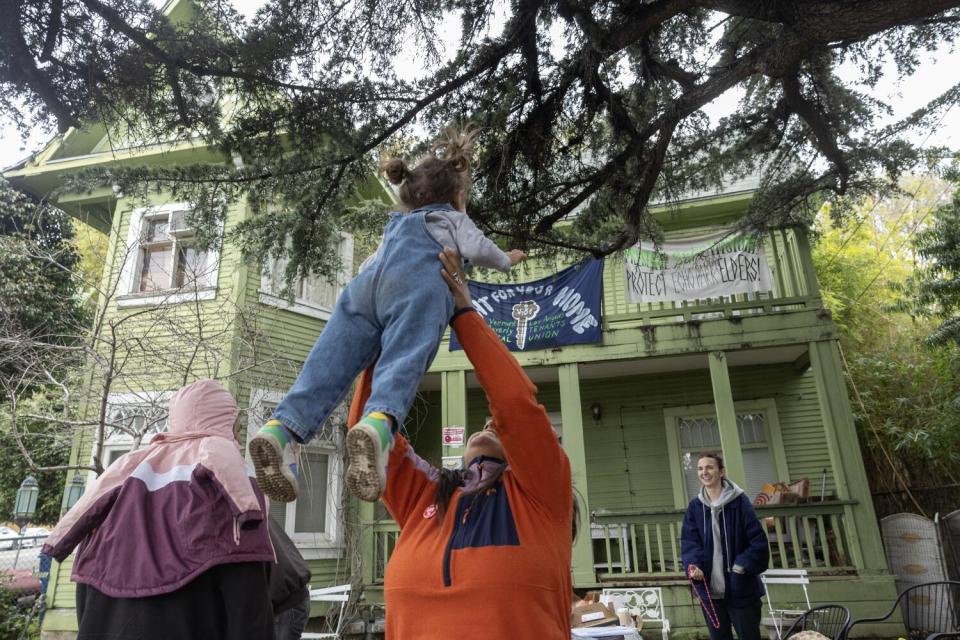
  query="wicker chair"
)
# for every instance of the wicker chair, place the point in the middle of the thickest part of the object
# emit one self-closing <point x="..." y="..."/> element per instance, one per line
<point x="927" y="609"/>
<point x="830" y="620"/>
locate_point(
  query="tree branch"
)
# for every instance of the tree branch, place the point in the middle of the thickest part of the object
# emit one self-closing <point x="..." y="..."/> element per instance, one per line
<point x="822" y="135"/>
<point x="53" y="29"/>
<point x="20" y="57"/>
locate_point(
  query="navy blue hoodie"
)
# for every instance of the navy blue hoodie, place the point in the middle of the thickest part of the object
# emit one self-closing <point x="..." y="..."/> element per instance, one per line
<point x="743" y="543"/>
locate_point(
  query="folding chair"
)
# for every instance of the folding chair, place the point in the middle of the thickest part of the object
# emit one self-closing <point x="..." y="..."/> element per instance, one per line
<point x="341" y="594"/>
<point x="796" y="577"/>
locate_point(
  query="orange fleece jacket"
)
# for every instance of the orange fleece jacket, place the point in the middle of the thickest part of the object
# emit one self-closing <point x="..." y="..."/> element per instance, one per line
<point x="436" y="590"/>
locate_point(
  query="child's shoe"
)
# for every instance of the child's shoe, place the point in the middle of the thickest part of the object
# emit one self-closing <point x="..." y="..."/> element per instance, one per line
<point x="275" y="453"/>
<point x="368" y="448"/>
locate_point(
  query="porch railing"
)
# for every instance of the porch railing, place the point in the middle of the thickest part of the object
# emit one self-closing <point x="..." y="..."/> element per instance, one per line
<point x="646" y="544"/>
<point x="385" y="534"/>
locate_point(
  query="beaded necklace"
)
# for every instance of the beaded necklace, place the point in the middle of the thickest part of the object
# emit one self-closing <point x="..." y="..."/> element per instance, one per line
<point x="711" y="611"/>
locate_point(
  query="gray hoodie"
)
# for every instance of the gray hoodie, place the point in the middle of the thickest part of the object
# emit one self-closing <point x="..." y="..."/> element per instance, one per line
<point x="728" y="494"/>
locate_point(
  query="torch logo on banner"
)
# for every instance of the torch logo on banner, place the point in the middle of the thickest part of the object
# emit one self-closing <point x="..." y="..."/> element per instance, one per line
<point x="523" y="312"/>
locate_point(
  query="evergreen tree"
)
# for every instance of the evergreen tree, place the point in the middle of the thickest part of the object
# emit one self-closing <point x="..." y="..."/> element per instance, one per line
<point x="586" y="107"/>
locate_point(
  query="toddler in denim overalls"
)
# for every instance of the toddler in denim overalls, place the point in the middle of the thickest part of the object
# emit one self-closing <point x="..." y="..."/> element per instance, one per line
<point x="398" y="306"/>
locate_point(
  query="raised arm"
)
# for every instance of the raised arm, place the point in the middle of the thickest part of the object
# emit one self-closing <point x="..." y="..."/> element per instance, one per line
<point x="478" y="248"/>
<point x="533" y="451"/>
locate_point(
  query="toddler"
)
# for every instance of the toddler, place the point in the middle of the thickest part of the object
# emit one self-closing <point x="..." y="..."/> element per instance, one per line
<point x="398" y="306"/>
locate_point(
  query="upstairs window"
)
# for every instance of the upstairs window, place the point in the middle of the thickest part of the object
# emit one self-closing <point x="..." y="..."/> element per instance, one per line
<point x="162" y="262"/>
<point x="168" y="260"/>
<point x="313" y="295"/>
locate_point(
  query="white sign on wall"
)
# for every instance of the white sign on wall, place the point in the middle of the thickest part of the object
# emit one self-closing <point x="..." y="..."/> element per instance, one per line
<point x="453" y="436"/>
<point x="721" y="264"/>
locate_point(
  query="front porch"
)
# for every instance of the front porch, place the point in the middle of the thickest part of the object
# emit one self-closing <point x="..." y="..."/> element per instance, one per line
<point x="755" y="376"/>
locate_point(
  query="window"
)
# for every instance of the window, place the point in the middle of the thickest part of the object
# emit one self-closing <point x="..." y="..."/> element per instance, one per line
<point x="694" y="430"/>
<point x="313" y="296"/>
<point x="132" y="419"/>
<point x="311" y="521"/>
<point x="162" y="264"/>
<point x="112" y="452"/>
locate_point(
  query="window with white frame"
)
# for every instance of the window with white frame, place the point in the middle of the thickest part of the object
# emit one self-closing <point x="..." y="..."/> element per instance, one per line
<point x="132" y="419"/>
<point x="313" y="295"/>
<point x="698" y="433"/>
<point x="162" y="258"/>
<point x="311" y="521"/>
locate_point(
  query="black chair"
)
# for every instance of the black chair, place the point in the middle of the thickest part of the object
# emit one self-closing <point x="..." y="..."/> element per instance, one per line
<point x="830" y="620"/>
<point x="927" y="609"/>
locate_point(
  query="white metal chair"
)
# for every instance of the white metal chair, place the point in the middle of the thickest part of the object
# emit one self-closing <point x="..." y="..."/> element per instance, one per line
<point x="643" y="602"/>
<point x="341" y="594"/>
<point x="796" y="577"/>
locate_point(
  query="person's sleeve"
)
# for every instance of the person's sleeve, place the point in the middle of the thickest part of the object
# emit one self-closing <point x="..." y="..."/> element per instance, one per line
<point x="477" y="248"/>
<point x="408" y="475"/>
<point x="534" y="454"/>
<point x="87" y="514"/>
<point x="755" y="559"/>
<point x="221" y="461"/>
<point x="691" y="544"/>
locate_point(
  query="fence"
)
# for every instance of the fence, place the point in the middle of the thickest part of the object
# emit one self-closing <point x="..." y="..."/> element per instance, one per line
<point x="646" y="544"/>
<point x="19" y="563"/>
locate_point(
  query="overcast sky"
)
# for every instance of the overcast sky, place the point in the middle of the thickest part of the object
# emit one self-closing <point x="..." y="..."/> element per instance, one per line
<point x="938" y="73"/>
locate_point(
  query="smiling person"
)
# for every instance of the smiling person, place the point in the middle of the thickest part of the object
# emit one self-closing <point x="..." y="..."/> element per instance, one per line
<point x="483" y="552"/>
<point x="724" y="550"/>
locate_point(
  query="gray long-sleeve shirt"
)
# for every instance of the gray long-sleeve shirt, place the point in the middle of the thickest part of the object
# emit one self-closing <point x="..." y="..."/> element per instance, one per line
<point x="454" y="229"/>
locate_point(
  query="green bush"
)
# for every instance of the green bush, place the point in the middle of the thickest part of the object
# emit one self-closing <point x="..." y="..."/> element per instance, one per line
<point x="13" y="619"/>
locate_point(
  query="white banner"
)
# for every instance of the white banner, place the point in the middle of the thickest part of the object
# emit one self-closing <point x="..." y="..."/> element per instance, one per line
<point x="721" y="264"/>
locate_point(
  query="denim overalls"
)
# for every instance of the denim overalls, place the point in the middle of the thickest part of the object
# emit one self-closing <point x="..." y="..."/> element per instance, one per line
<point x="398" y="306"/>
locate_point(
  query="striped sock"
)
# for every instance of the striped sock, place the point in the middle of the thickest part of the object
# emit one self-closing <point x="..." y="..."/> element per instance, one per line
<point x="381" y="423"/>
<point x="277" y="430"/>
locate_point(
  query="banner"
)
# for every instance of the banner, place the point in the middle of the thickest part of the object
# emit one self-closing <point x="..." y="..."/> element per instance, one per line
<point x="558" y="310"/>
<point x="707" y="267"/>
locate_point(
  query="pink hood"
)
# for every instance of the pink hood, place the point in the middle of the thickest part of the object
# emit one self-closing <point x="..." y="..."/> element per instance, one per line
<point x="199" y="410"/>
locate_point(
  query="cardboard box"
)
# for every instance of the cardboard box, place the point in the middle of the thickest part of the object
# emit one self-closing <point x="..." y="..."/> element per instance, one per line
<point x="593" y="615"/>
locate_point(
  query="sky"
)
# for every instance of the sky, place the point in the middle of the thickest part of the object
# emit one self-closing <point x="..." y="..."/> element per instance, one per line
<point x="937" y="73"/>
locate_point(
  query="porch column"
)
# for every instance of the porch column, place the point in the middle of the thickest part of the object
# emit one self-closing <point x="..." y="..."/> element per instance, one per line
<point x="726" y="417"/>
<point x="571" y="412"/>
<point x="453" y="404"/>
<point x="849" y="475"/>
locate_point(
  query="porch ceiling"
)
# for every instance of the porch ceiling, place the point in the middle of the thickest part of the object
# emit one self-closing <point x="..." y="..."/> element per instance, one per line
<point x="644" y="366"/>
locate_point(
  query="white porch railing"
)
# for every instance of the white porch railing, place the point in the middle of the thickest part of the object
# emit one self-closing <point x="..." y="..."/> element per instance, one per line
<point x="646" y="543"/>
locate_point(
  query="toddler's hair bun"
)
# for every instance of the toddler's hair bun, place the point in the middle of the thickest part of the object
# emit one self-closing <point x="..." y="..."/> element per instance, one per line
<point x="456" y="145"/>
<point x="396" y="170"/>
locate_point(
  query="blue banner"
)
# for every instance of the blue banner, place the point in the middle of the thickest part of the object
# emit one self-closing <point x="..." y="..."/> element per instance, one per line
<point x="558" y="310"/>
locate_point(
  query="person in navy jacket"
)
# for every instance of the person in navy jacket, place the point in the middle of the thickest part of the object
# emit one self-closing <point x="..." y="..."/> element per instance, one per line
<point x="724" y="550"/>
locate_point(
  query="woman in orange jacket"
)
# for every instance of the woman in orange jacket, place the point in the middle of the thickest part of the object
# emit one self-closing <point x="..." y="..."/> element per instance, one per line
<point x="482" y="553"/>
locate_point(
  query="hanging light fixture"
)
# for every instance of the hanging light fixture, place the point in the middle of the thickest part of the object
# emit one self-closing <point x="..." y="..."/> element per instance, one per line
<point x="25" y="505"/>
<point x="73" y="492"/>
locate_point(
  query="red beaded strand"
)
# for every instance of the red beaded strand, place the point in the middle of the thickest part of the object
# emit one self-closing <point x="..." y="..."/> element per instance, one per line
<point x="712" y="611"/>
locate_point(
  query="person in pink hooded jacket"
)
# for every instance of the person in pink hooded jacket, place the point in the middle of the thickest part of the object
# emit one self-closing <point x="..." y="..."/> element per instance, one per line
<point x="173" y="539"/>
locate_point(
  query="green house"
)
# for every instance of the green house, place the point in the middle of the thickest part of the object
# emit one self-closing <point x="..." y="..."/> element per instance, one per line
<point x="757" y="376"/>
